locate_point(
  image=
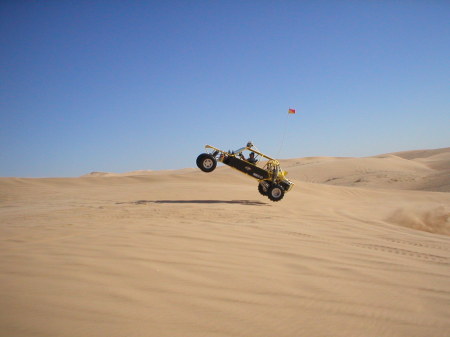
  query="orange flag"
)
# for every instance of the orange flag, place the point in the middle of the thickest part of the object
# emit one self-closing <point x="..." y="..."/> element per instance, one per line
<point x="291" y="111"/>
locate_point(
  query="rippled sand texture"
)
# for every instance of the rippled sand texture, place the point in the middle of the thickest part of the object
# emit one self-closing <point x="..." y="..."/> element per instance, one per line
<point x="360" y="247"/>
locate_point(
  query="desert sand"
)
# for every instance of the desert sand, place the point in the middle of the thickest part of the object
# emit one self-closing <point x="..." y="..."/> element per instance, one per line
<point x="359" y="247"/>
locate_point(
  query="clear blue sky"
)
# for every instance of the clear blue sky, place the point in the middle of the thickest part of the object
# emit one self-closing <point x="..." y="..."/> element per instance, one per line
<point x="127" y="85"/>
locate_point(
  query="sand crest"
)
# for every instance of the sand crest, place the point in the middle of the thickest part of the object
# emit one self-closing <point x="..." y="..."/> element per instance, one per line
<point x="360" y="247"/>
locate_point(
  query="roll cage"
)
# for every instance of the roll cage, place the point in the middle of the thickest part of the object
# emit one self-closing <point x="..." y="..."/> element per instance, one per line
<point x="270" y="171"/>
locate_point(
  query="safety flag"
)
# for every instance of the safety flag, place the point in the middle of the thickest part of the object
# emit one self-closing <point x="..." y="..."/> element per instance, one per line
<point x="291" y="111"/>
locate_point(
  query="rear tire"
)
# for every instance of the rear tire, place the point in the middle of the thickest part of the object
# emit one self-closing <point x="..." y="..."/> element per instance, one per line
<point x="206" y="162"/>
<point x="275" y="192"/>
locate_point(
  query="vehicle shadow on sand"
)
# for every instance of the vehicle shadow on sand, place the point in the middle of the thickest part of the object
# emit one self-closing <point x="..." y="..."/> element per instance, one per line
<point x="239" y="202"/>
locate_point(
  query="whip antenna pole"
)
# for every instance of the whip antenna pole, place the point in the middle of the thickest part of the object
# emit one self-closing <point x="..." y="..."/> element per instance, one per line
<point x="290" y="111"/>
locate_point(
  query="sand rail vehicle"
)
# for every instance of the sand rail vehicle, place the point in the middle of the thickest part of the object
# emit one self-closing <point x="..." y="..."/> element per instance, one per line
<point x="272" y="181"/>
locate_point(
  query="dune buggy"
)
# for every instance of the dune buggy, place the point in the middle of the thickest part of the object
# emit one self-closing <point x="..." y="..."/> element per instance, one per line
<point x="272" y="181"/>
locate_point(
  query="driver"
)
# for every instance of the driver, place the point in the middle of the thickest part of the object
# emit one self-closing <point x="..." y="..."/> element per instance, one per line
<point x="251" y="159"/>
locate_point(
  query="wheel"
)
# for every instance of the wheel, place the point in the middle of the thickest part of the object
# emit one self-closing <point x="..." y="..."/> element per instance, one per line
<point x="206" y="162"/>
<point x="275" y="192"/>
<point x="263" y="187"/>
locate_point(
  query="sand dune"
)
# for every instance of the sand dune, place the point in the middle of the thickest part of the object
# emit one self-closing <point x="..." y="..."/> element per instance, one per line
<point x="413" y="170"/>
<point x="360" y="247"/>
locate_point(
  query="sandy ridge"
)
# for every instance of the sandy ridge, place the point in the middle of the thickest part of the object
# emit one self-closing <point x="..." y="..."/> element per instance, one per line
<point x="194" y="254"/>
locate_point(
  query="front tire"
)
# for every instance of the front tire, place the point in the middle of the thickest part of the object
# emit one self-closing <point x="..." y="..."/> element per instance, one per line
<point x="275" y="192"/>
<point x="263" y="187"/>
<point x="206" y="162"/>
